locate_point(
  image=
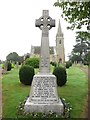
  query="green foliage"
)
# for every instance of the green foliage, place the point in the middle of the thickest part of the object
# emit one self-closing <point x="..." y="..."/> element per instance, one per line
<point x="82" y="44"/>
<point x="53" y="64"/>
<point x="61" y="75"/>
<point x="82" y="36"/>
<point x="27" y="56"/>
<point x="21" y="60"/>
<point x="26" y="74"/>
<point x="75" y="57"/>
<point x="0" y="61"/>
<point x="76" y="13"/>
<point x="85" y="63"/>
<point x="68" y="64"/>
<point x="89" y="57"/>
<point x="12" y="57"/>
<point x="34" y="62"/>
<point x="2" y="65"/>
<point x="13" y="65"/>
<point x="80" y="50"/>
<point x="9" y="66"/>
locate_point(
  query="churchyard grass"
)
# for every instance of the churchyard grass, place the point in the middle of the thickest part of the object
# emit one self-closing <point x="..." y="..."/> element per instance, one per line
<point x="75" y="92"/>
<point x="13" y="93"/>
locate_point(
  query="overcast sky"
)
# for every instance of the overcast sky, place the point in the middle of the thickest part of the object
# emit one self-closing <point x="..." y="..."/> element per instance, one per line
<point x="17" y="26"/>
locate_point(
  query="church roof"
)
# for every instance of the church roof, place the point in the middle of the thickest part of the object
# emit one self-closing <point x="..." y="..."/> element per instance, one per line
<point x="38" y="48"/>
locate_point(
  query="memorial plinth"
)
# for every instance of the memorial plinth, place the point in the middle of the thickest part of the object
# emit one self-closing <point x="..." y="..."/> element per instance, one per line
<point x="43" y="94"/>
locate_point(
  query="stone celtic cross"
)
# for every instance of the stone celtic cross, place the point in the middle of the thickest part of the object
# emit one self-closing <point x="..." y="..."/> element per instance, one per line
<point x="45" y="23"/>
<point x="43" y="96"/>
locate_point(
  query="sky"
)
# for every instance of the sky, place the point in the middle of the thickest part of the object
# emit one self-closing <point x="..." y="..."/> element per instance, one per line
<point x="17" y="26"/>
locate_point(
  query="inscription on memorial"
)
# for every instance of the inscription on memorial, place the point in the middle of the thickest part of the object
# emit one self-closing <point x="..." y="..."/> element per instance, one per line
<point x="44" y="89"/>
<point x="44" y="62"/>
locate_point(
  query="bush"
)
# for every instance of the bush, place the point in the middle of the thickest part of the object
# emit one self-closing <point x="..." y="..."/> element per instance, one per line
<point x="68" y="64"/>
<point x="13" y="65"/>
<point x="2" y="66"/>
<point x="34" y="62"/>
<point x="26" y="74"/>
<point x="61" y="75"/>
<point x="53" y="63"/>
<point x="9" y="66"/>
<point x="85" y="63"/>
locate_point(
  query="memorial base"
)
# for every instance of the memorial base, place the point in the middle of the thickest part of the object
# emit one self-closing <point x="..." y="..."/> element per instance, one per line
<point x="43" y="95"/>
<point x="30" y="107"/>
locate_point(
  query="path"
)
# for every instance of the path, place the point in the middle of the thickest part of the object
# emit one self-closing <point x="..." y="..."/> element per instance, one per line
<point x="0" y="93"/>
<point x="87" y="72"/>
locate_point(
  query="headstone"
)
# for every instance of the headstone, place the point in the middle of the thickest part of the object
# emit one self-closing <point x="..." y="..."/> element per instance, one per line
<point x="43" y="94"/>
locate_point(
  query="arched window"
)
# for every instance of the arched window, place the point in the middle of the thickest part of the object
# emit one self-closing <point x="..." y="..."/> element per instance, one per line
<point x="60" y="60"/>
<point x="59" y="41"/>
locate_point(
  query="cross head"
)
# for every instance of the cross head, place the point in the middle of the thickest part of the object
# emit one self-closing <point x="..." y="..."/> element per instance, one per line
<point x="45" y="21"/>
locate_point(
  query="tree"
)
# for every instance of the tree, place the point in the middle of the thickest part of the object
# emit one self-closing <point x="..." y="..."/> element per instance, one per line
<point x="21" y="59"/>
<point x="12" y="57"/>
<point x="82" y="45"/>
<point x="33" y="61"/>
<point x="76" y="13"/>
<point x="26" y="56"/>
<point x="74" y="57"/>
<point x="81" y="49"/>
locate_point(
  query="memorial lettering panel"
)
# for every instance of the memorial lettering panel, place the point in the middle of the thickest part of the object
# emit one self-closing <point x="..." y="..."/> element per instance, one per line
<point x="44" y="89"/>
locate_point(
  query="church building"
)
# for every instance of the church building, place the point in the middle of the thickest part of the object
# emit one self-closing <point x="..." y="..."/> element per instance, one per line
<point x="60" y="52"/>
<point x="57" y="53"/>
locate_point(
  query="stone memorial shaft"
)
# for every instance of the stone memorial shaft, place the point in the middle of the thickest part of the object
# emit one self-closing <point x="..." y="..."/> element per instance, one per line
<point x="45" y="23"/>
<point x="43" y="94"/>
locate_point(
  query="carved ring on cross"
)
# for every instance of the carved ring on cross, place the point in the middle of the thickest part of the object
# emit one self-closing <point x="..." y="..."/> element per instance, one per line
<point x="47" y="22"/>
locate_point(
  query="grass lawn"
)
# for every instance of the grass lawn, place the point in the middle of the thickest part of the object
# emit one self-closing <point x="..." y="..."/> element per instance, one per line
<point x="75" y="92"/>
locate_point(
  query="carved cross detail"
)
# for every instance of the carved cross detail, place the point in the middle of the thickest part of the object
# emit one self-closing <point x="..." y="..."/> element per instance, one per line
<point x="45" y="21"/>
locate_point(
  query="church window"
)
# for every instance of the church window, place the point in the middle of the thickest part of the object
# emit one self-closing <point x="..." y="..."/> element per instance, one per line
<point x="59" y="41"/>
<point x="60" y="60"/>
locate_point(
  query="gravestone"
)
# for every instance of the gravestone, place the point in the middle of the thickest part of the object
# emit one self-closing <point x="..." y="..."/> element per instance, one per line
<point x="43" y="94"/>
